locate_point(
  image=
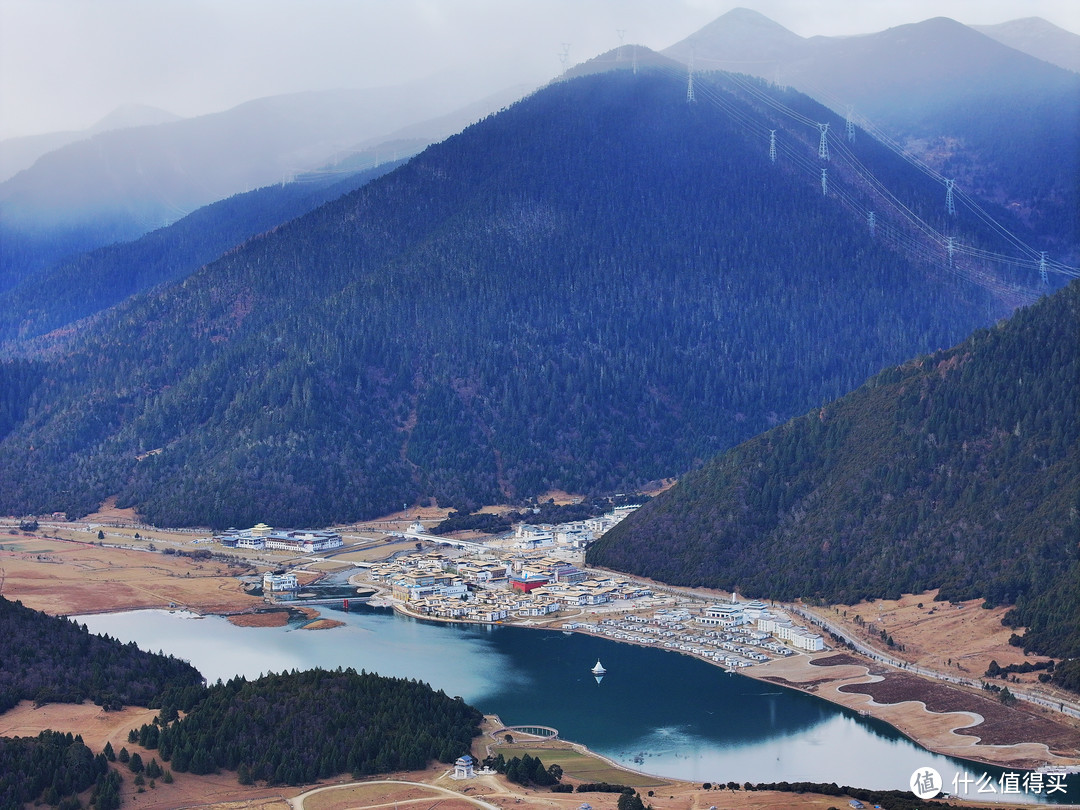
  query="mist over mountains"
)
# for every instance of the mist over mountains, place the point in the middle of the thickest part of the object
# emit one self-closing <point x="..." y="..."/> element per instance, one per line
<point x="121" y="183"/>
<point x="40" y="313"/>
<point x="20" y="153"/>
<point x="978" y="111"/>
<point x="1039" y="38"/>
<point x="600" y="286"/>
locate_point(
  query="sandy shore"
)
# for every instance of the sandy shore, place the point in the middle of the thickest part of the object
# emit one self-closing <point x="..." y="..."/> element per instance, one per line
<point x="944" y="719"/>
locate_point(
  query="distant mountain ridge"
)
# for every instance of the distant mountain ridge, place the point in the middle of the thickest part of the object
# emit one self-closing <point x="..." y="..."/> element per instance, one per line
<point x="1039" y="38"/>
<point x="978" y="111"/>
<point x="959" y="470"/>
<point x="79" y="288"/>
<point x="119" y="184"/>
<point x="600" y="286"/>
<point x="20" y="153"/>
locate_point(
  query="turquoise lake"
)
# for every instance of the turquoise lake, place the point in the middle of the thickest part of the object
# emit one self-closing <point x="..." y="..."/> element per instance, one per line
<point x="656" y="711"/>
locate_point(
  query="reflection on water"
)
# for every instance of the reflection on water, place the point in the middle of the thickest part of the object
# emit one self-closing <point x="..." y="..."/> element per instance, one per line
<point x="656" y="711"/>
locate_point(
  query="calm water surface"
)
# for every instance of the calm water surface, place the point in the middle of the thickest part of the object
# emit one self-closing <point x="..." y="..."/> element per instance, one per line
<point x="656" y="711"/>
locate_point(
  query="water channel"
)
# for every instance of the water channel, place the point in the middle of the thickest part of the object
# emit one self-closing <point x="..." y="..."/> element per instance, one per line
<point x="656" y="711"/>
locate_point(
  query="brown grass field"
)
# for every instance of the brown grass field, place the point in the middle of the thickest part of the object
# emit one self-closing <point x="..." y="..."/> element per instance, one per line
<point x="75" y="576"/>
<point x="960" y="637"/>
<point x="578" y="764"/>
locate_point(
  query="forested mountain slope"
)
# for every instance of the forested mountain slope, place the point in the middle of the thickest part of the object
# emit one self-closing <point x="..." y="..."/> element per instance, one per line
<point x="959" y="470"/>
<point x="299" y="727"/>
<point x="91" y="282"/>
<point x="601" y="286"/>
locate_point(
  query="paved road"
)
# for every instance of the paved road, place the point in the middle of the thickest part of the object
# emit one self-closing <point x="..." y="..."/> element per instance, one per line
<point x="1070" y="708"/>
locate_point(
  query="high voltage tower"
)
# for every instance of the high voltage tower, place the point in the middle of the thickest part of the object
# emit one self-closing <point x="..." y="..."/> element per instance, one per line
<point x="690" y="80"/>
<point x="564" y="56"/>
<point x="622" y="35"/>
<point x="899" y="225"/>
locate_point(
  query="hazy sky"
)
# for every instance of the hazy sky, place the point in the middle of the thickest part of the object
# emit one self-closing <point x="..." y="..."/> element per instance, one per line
<point x="64" y="64"/>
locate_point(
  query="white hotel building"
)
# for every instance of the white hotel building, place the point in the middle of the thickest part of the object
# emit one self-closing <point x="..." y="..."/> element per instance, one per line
<point x="796" y="636"/>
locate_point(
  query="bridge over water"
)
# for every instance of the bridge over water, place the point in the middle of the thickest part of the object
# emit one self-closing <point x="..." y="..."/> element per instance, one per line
<point x="547" y="732"/>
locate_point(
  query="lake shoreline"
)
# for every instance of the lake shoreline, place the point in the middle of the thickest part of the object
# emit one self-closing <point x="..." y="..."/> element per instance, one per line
<point x="939" y="732"/>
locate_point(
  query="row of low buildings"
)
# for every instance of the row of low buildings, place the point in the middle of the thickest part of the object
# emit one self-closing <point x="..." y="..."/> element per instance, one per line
<point x="487" y="588"/>
<point x="494" y="589"/>
<point x="300" y="541"/>
<point x="732" y="635"/>
<point x="757" y="614"/>
<point x="577" y="534"/>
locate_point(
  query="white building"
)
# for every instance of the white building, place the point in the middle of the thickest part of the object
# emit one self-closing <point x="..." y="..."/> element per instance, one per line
<point x="303" y="541"/>
<point x="723" y="615"/>
<point x="797" y="637"/>
<point x="279" y="582"/>
<point x="463" y="768"/>
<point x="529" y="537"/>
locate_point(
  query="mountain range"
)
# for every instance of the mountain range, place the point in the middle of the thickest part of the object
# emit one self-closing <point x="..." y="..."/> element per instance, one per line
<point x="21" y="152"/>
<point x="600" y="286"/>
<point x="609" y="282"/>
<point x="978" y="111"/>
<point x="1039" y="38"/>
<point x="124" y="182"/>
<point x="42" y="312"/>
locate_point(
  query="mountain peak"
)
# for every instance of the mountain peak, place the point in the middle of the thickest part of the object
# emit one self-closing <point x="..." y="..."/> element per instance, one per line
<point x="133" y="115"/>
<point x="1039" y="38"/>
<point x="739" y="35"/>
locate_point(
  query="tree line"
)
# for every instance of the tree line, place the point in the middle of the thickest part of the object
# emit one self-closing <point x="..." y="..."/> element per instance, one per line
<point x="51" y="659"/>
<point x="958" y="470"/>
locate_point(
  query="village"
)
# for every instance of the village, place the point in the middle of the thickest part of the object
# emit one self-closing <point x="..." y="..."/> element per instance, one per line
<point x="534" y="576"/>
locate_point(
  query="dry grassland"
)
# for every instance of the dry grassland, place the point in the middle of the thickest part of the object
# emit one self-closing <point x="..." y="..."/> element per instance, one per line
<point x="71" y="577"/>
<point x="961" y="638"/>
<point x="578" y="763"/>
